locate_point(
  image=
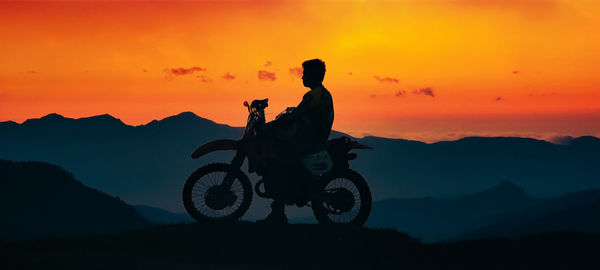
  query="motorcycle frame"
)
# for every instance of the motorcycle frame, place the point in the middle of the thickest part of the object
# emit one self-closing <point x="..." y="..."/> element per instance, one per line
<point x="239" y="145"/>
<point x="256" y="116"/>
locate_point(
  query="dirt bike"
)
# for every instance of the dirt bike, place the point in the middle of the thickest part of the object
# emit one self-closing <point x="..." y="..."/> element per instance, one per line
<point x="222" y="192"/>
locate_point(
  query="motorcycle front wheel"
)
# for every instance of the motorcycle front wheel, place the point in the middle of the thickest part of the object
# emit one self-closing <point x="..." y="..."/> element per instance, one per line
<point x="205" y="199"/>
<point x="345" y="198"/>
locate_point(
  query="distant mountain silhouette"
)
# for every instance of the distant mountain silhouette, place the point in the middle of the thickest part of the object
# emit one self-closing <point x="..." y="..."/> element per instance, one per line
<point x="585" y="141"/>
<point x="40" y="200"/>
<point x="434" y="219"/>
<point x="243" y="245"/>
<point x="145" y="164"/>
<point x="148" y="164"/>
<point x="503" y="193"/>
<point x="161" y="216"/>
<point x="8" y="124"/>
<point x="577" y="211"/>
<point x="95" y="125"/>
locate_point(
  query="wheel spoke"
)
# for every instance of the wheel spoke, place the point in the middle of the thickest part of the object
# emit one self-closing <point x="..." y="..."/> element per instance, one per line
<point x="337" y="185"/>
<point x="209" y="180"/>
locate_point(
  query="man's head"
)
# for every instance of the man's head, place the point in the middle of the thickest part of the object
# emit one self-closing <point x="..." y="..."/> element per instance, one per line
<point x="313" y="72"/>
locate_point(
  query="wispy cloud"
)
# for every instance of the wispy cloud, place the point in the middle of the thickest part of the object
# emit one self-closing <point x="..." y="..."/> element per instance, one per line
<point x="204" y="79"/>
<point x="264" y="75"/>
<point x="515" y="72"/>
<point x="183" y="71"/>
<point x="424" y="91"/>
<point x="296" y="71"/>
<point x="228" y="76"/>
<point x="386" y="79"/>
<point x="400" y="93"/>
<point x="498" y="99"/>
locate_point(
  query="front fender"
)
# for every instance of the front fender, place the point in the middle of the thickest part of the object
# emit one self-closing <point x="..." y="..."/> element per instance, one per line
<point x="225" y="144"/>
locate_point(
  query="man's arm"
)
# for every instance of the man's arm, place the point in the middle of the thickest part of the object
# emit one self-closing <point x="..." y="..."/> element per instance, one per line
<point x="298" y="113"/>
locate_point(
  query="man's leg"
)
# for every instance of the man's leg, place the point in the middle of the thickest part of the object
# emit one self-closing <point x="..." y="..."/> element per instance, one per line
<point x="278" y="137"/>
<point x="275" y="185"/>
<point x="277" y="215"/>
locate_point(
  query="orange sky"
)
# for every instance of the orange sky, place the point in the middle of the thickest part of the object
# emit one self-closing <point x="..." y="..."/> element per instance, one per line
<point x="417" y="69"/>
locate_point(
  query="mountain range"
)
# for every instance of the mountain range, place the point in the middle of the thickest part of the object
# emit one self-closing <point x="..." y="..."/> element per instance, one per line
<point x="148" y="164"/>
<point x="504" y="210"/>
<point x="574" y="211"/>
<point x="437" y="219"/>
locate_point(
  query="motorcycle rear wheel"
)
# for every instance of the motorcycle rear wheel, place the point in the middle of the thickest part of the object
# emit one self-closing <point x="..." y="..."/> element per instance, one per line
<point x="345" y="199"/>
<point x="204" y="200"/>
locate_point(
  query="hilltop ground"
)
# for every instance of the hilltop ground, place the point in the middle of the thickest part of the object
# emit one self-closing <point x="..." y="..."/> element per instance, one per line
<point x="251" y="246"/>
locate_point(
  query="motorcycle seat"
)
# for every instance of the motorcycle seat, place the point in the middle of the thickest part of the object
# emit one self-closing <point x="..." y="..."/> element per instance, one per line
<point x="326" y="145"/>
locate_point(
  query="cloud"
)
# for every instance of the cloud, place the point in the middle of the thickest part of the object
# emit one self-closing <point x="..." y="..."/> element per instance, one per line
<point x="386" y="79"/>
<point x="498" y="99"/>
<point x="515" y="72"/>
<point x="349" y="73"/>
<point x="183" y="71"/>
<point x="373" y="96"/>
<point x="268" y="63"/>
<point x="401" y="93"/>
<point x="296" y="71"/>
<point x="204" y="79"/>
<point x="264" y="75"/>
<point x="144" y="70"/>
<point x="424" y="91"/>
<point x="228" y="76"/>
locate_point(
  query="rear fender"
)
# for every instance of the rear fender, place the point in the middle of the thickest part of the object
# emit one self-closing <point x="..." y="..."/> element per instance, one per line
<point x="354" y="145"/>
<point x="217" y="145"/>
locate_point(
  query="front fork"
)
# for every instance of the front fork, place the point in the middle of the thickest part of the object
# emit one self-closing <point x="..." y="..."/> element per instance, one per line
<point x="236" y="164"/>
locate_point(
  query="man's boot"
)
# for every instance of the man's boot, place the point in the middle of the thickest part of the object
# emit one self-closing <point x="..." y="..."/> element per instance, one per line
<point x="277" y="215"/>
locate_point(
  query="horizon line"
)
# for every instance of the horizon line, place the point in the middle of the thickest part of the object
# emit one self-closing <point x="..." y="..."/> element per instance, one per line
<point x="558" y="140"/>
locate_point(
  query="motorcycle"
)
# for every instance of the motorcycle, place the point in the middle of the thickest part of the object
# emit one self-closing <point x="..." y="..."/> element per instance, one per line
<point x="222" y="192"/>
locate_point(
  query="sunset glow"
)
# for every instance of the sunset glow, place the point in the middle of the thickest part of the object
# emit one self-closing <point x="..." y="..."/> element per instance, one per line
<point x="427" y="70"/>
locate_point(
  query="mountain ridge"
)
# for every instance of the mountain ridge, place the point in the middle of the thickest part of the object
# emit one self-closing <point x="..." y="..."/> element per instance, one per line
<point x="188" y="115"/>
<point x="573" y="211"/>
<point x="439" y="219"/>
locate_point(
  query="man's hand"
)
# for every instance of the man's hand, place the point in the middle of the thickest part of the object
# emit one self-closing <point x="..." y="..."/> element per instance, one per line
<point x="285" y="119"/>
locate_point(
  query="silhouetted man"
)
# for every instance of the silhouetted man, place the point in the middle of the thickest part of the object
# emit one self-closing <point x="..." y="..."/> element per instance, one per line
<point x="297" y="131"/>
